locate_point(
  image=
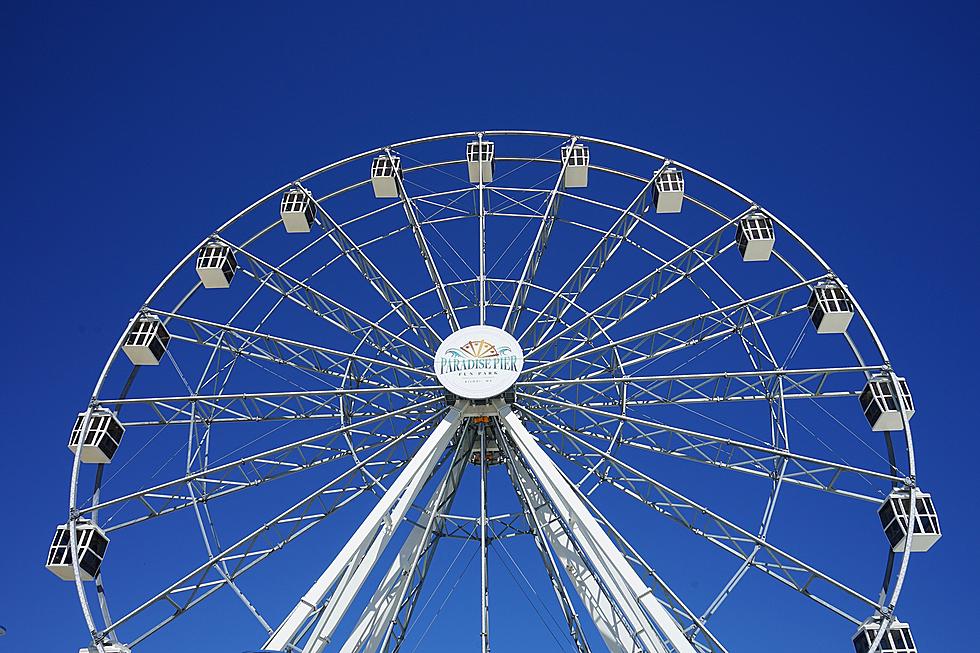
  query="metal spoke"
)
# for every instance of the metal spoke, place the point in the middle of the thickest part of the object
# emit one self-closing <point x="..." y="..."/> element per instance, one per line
<point x="203" y="581"/>
<point x="430" y="264"/>
<point x="484" y="542"/>
<point x="164" y="498"/>
<point x="541" y="239"/>
<point x="344" y="318"/>
<point x="625" y="303"/>
<point x="284" y="351"/>
<point x="270" y="406"/>
<point x="594" y="261"/>
<point x="353" y="252"/>
<point x="705" y="523"/>
<point x="745" y="457"/>
<point x="482" y="240"/>
<point x="704" y="327"/>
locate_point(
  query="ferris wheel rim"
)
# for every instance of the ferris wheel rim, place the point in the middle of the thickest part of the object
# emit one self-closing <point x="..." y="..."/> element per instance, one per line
<point x="368" y="153"/>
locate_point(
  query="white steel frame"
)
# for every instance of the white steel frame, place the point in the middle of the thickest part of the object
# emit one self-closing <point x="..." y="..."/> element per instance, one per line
<point x="583" y="403"/>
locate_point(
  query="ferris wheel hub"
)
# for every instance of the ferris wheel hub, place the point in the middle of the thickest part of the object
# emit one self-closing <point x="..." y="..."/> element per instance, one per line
<point x="478" y="362"/>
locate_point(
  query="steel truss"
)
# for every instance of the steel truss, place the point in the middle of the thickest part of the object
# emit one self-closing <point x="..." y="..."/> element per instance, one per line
<point x="250" y="471"/>
<point x="650" y="623"/>
<point x="272" y="406"/>
<point x="745" y="457"/>
<point x="599" y="373"/>
<point x="586" y="272"/>
<point x="716" y="529"/>
<point x="344" y="318"/>
<point x="347" y="572"/>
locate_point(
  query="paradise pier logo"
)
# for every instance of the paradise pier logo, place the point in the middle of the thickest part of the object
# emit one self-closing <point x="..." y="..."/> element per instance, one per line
<point x="478" y="362"/>
<point x="477" y="355"/>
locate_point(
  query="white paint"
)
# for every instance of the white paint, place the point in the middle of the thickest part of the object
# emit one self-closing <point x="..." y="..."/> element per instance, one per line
<point x="478" y="362"/>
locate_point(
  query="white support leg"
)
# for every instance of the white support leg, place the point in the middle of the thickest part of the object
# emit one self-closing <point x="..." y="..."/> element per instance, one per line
<point x="375" y="619"/>
<point x="357" y="558"/>
<point x="647" y="617"/>
<point x="610" y="624"/>
<point x="372" y="630"/>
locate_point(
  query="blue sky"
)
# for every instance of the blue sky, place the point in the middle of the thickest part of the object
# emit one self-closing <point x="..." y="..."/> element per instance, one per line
<point x="131" y="132"/>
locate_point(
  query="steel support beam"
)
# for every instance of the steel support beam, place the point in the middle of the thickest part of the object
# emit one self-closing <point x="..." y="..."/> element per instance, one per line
<point x="249" y="471"/>
<point x="430" y="265"/>
<point x="384" y="287"/>
<point x="594" y="261"/>
<point x="266" y="406"/>
<point x="284" y="351"/>
<point x="347" y="572"/>
<point x="343" y="317"/>
<point x="746" y="457"/>
<point x="385" y="619"/>
<point x="540" y="243"/>
<point x="548" y="527"/>
<point x="484" y="543"/>
<point x="581" y="332"/>
<point x="647" y="617"/>
<point x="654" y="343"/>
<point x="749" y="385"/>
<point x="705" y="523"/>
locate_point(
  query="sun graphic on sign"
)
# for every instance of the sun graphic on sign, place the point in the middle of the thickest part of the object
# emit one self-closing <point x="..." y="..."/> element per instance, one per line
<point x="479" y="349"/>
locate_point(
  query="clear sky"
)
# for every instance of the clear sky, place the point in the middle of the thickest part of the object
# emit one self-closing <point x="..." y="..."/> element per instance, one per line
<point x="130" y="132"/>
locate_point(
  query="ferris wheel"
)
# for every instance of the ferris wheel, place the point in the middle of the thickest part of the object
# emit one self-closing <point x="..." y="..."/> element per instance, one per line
<point x="358" y="404"/>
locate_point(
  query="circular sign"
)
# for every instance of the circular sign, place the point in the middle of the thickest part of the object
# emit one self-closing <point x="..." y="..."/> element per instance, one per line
<point x="478" y="362"/>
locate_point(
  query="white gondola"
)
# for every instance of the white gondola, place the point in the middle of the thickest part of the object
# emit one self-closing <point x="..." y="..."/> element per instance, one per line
<point x="575" y="158"/>
<point x="880" y="407"/>
<point x="147" y="340"/>
<point x="102" y="436"/>
<point x="898" y="638"/>
<point x="92" y="543"/>
<point x="755" y="237"/>
<point x="386" y="171"/>
<point x="894" y="515"/>
<point x="668" y="191"/>
<point x="479" y="161"/>
<point x="830" y="308"/>
<point x="216" y="265"/>
<point x="297" y="211"/>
